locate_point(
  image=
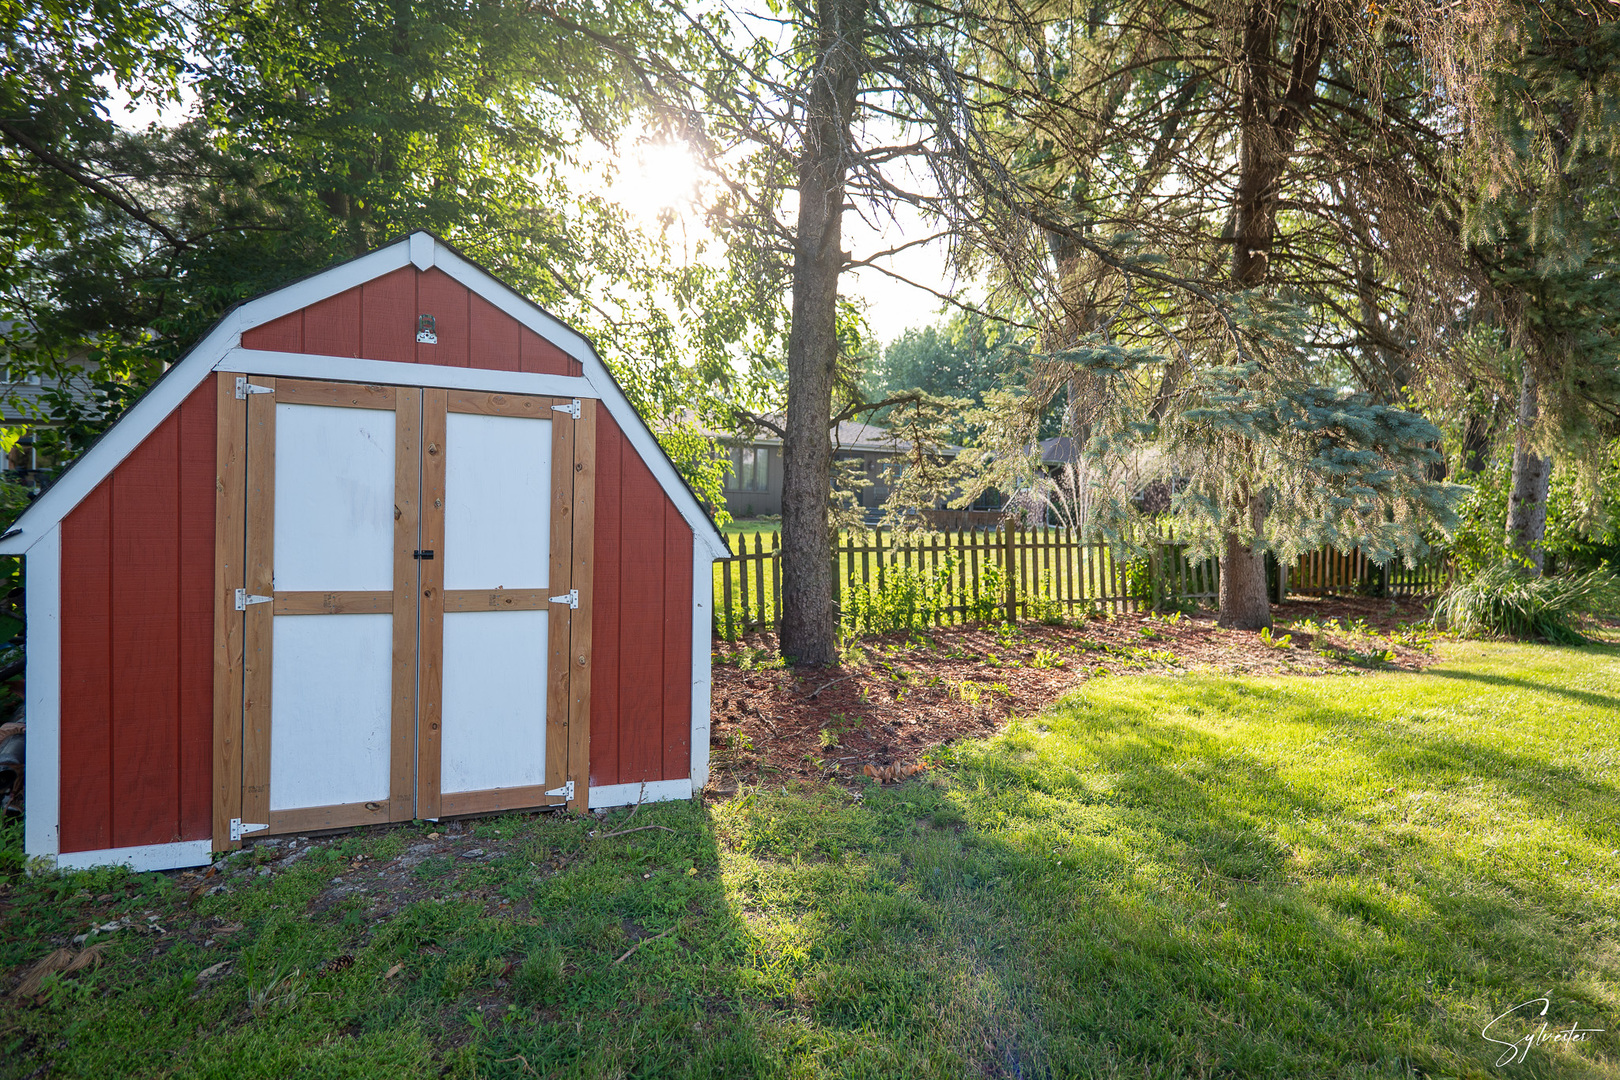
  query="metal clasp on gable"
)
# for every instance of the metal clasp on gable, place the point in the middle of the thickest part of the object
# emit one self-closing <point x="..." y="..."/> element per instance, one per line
<point x="239" y="829"/>
<point x="244" y="388"/>
<point x="571" y="598"/>
<point x="572" y="408"/>
<point x="244" y="598"/>
<point x="566" y="791"/>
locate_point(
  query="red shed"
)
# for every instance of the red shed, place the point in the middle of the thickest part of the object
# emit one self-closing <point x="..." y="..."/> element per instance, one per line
<point x="389" y="543"/>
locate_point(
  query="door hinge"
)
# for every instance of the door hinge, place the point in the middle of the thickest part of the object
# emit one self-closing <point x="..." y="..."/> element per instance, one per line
<point x="244" y="598"/>
<point x="571" y="598"/>
<point x="566" y="791"/>
<point x="239" y="829"/>
<point x="244" y="388"/>
<point x="572" y="408"/>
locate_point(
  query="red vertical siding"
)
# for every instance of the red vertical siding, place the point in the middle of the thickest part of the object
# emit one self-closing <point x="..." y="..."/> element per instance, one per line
<point x="137" y="634"/>
<point x="442" y="296"/>
<point x="198" y="433"/>
<point x="388" y="316"/>
<point x="285" y="334"/>
<point x="494" y="337"/>
<point x="332" y="327"/>
<point x="641" y="629"/>
<point x="377" y="321"/>
<point x="87" y="631"/>
<point x="605" y="606"/>
<point x="677" y="644"/>
<point x="641" y="622"/>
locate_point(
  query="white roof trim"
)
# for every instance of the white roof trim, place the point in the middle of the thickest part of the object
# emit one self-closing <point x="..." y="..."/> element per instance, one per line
<point x="419" y="249"/>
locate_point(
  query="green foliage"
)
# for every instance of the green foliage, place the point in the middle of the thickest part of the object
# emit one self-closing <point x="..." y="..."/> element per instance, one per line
<point x="1504" y="601"/>
<point x="904" y="599"/>
<point x="1583" y="516"/>
<point x="958" y="359"/>
<point x="693" y="453"/>
<point x="984" y="603"/>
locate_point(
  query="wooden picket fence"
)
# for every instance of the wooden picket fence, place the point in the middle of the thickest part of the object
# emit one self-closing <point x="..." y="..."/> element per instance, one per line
<point x="1018" y="575"/>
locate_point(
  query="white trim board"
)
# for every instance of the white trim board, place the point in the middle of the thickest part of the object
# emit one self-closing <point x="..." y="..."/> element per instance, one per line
<point x="420" y="249"/>
<point x="392" y="372"/>
<point x="146" y="857"/>
<point x="609" y="795"/>
<point x="702" y="652"/>
<point x="42" y="813"/>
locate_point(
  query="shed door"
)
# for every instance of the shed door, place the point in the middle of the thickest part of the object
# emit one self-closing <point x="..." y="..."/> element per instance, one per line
<point x="403" y="654"/>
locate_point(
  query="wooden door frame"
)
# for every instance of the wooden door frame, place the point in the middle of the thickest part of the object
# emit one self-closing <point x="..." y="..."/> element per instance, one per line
<point x="246" y="516"/>
<point x="241" y="669"/>
<point x="573" y="471"/>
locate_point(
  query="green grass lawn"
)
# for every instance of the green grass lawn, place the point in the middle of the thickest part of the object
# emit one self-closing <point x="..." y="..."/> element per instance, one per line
<point x="1160" y="877"/>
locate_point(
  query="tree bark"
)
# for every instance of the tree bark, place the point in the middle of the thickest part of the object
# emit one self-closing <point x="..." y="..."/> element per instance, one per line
<point x="1268" y="126"/>
<point x="809" y="632"/>
<point x="1532" y="475"/>
<point x="1245" y="604"/>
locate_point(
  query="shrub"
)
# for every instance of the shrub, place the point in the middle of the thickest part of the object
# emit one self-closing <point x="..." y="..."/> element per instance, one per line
<point x="1504" y="600"/>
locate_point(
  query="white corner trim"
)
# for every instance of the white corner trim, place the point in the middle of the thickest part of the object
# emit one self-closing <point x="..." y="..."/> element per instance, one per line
<point x="422" y="246"/>
<point x="350" y="369"/>
<point x="631" y="794"/>
<point x="326" y="283"/>
<point x="123" y="437"/>
<point x="702" y="651"/>
<point x="43" y="807"/>
<point x="146" y="857"/>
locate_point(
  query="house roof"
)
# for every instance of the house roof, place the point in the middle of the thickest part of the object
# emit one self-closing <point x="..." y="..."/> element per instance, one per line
<point x="221" y="348"/>
<point x="854" y="435"/>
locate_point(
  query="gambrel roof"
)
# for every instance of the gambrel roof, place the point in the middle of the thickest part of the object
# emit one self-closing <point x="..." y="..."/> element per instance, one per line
<point x="222" y="349"/>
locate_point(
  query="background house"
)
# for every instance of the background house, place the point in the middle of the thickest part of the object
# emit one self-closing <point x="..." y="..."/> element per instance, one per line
<point x="754" y="487"/>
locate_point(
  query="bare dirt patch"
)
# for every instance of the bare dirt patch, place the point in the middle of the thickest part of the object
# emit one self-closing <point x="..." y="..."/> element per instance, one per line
<point x="899" y="698"/>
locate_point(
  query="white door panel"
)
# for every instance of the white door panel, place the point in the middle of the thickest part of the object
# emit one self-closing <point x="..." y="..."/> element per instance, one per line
<point x="494" y="700"/>
<point x="330" y="707"/>
<point x="497" y="512"/>
<point x="334" y="527"/>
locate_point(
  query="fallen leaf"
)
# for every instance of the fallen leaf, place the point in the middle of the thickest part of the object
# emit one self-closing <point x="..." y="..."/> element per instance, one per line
<point x="395" y="970"/>
<point x="210" y="972"/>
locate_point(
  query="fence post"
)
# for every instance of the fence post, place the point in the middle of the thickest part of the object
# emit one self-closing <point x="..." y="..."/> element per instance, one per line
<point x="1012" y="576"/>
<point x="1155" y="572"/>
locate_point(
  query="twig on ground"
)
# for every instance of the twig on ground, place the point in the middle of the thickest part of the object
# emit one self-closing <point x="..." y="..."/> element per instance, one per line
<point x="638" y="945"/>
<point x="813" y="694"/>
<point x="638" y="828"/>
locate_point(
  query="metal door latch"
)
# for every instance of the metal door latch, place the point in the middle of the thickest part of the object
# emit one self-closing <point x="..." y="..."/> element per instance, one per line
<point x="244" y="388"/>
<point x="571" y="598"/>
<point x="423" y="553"/>
<point x="572" y="408"/>
<point x="244" y="598"/>
<point x="239" y="829"/>
<point x="566" y="791"/>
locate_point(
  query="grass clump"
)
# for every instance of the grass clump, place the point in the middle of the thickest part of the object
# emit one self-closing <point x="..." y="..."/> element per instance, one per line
<point x="1505" y="601"/>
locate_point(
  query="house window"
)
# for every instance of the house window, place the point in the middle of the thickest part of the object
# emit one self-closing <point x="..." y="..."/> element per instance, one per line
<point x="750" y="467"/>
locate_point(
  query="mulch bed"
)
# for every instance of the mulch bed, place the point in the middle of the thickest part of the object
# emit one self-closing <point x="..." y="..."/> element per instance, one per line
<point x="898" y="699"/>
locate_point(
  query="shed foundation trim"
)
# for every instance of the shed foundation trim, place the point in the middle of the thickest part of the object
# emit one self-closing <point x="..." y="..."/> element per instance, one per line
<point x="147" y="857"/>
<point x="650" y="791"/>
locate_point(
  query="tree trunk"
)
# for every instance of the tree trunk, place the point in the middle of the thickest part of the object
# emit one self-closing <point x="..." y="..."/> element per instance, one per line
<point x="1245" y="604"/>
<point x="1269" y="127"/>
<point x="1527" y="501"/>
<point x="809" y="620"/>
